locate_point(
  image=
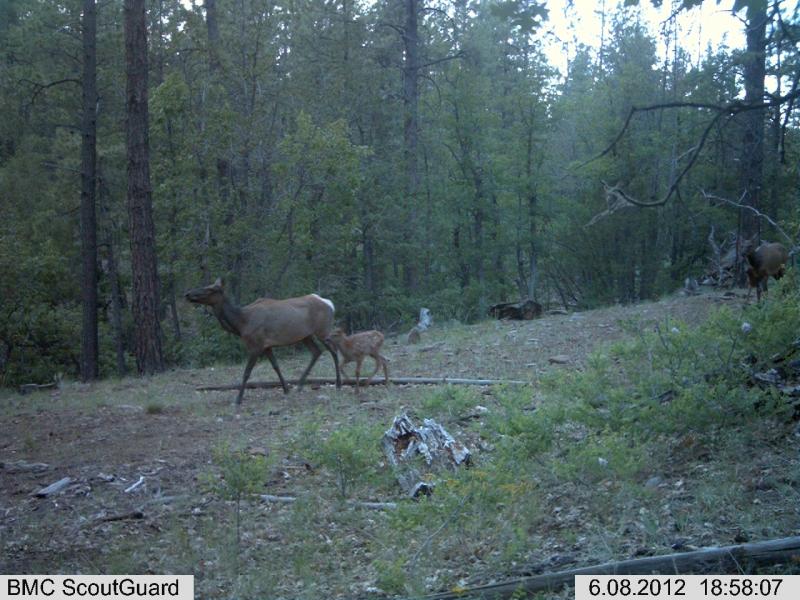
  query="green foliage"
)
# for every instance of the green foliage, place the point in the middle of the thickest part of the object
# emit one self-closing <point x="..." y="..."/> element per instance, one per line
<point x="240" y="474"/>
<point x="280" y="161"/>
<point x="154" y="408"/>
<point x="392" y="576"/>
<point x="351" y="454"/>
<point x="523" y="15"/>
<point x="449" y="402"/>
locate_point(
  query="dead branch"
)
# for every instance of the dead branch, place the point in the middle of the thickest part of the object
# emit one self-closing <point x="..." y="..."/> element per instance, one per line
<point x="752" y="209"/>
<point x="616" y="200"/>
<point x="134" y="514"/>
<point x="731" y="109"/>
<point x="376" y="381"/>
<point x="354" y="503"/>
<point x="53" y="488"/>
<point x="730" y="559"/>
<point x="20" y="466"/>
<point x="130" y="488"/>
<point x="27" y="388"/>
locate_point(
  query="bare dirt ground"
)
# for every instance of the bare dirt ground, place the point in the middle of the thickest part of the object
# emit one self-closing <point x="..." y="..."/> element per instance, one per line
<point x="108" y="435"/>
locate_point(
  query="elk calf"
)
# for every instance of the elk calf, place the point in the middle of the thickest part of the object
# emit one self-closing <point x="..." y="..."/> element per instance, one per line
<point x="356" y="347"/>
<point x="766" y="260"/>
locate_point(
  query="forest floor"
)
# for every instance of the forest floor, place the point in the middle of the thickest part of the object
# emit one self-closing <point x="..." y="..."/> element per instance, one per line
<point x="323" y="445"/>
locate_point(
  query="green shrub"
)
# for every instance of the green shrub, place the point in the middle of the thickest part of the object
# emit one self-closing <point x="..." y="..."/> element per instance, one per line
<point x="240" y="475"/>
<point x="351" y="453"/>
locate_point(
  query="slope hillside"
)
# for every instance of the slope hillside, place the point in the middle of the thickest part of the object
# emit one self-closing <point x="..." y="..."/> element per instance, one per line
<point x="623" y="449"/>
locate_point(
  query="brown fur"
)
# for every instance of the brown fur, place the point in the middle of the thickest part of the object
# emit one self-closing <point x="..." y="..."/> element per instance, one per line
<point x="766" y="260"/>
<point x="358" y="346"/>
<point x="267" y="323"/>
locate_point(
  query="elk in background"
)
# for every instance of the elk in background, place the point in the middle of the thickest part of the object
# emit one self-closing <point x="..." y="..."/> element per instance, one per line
<point x="358" y="346"/>
<point x="267" y="323"/>
<point x="766" y="260"/>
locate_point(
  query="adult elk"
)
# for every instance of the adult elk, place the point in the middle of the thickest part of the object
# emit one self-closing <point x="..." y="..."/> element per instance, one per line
<point x="766" y="260"/>
<point x="358" y="346"/>
<point x="267" y="323"/>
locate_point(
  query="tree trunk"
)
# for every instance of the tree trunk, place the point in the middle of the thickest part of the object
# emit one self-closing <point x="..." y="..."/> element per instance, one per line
<point x="147" y="329"/>
<point x="89" y="338"/>
<point x="410" y="133"/>
<point x="113" y="273"/>
<point x="213" y="33"/>
<point x="752" y="149"/>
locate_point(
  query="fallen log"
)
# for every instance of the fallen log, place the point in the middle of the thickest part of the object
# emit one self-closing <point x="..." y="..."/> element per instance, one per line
<point x="742" y="558"/>
<point x="53" y="488"/>
<point x="377" y="381"/>
<point x="134" y="514"/>
<point x="20" y="466"/>
<point x="519" y="311"/>
<point x="356" y="503"/>
<point x="27" y="388"/>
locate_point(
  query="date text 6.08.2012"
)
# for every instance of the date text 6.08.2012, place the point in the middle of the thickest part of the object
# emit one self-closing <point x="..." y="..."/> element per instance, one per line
<point x="687" y="587"/>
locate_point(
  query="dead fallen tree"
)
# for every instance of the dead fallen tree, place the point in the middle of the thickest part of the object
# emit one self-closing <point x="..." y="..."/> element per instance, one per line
<point x="742" y="558"/>
<point x="519" y="311"/>
<point x="354" y="503"/>
<point x="376" y="381"/>
<point x="53" y="488"/>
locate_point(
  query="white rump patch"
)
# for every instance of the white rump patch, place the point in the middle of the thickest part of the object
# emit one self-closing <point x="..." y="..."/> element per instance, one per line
<point x="326" y="301"/>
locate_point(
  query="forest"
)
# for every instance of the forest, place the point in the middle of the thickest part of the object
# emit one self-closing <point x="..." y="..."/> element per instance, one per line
<point x="387" y="155"/>
<point x="612" y="169"/>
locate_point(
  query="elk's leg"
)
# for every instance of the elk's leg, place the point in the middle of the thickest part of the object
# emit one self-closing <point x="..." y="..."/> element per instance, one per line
<point x="251" y="362"/>
<point x="315" y="353"/>
<point x="359" y="360"/>
<point x="341" y="368"/>
<point x="332" y="349"/>
<point x="273" y="361"/>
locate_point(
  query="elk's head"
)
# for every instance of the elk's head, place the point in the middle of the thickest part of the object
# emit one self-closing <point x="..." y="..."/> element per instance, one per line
<point x="210" y="294"/>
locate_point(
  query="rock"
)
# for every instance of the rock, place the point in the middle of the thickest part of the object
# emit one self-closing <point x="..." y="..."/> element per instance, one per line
<point x="653" y="482"/>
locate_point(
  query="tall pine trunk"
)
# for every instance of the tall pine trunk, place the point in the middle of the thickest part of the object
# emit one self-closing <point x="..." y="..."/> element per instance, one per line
<point x="89" y="338"/>
<point x="104" y="201"/>
<point x="752" y="149"/>
<point x="411" y="136"/>
<point x="147" y="329"/>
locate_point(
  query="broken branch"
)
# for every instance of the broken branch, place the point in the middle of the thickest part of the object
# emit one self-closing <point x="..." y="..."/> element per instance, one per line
<point x="355" y="503"/>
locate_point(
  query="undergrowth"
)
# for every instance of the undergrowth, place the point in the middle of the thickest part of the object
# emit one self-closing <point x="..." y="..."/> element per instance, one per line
<point x="626" y="457"/>
<point x="633" y="455"/>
